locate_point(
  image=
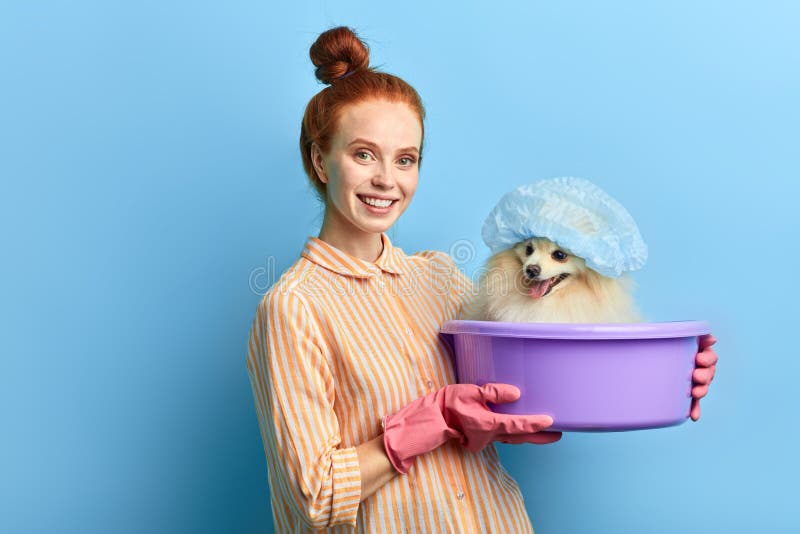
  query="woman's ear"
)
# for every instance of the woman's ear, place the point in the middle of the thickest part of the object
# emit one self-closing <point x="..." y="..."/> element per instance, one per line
<point x="319" y="164"/>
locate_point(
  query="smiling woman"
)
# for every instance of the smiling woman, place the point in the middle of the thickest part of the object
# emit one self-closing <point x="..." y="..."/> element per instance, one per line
<point x="370" y="170"/>
<point x="362" y="422"/>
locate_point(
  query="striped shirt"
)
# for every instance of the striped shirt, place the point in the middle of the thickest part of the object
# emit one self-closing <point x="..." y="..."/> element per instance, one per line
<point x="337" y="343"/>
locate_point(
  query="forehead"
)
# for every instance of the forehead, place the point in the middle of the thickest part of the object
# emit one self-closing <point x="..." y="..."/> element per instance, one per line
<point x="540" y="243"/>
<point x="390" y="125"/>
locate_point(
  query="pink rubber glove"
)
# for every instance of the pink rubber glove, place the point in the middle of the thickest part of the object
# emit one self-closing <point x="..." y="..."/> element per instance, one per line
<point x="705" y="368"/>
<point x="459" y="411"/>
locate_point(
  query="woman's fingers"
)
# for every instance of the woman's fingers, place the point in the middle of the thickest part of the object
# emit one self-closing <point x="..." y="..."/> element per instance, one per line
<point x="706" y="341"/>
<point x="698" y="392"/>
<point x="539" y="438"/>
<point x="535" y="423"/>
<point x="496" y="392"/>
<point x="694" y="413"/>
<point x="520" y="424"/>
<point x="706" y="358"/>
<point x="703" y="375"/>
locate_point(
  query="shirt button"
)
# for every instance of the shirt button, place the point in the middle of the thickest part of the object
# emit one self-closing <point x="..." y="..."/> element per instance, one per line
<point x="460" y="496"/>
<point x="430" y="384"/>
<point x="409" y="331"/>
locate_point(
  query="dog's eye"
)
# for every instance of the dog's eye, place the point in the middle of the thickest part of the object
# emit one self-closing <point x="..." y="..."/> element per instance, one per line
<point x="559" y="256"/>
<point x="529" y="250"/>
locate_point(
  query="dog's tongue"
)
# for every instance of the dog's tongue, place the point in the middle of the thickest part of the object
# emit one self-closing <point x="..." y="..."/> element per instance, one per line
<point x="540" y="288"/>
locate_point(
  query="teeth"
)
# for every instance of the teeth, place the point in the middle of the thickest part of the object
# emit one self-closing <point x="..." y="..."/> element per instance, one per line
<point x="378" y="203"/>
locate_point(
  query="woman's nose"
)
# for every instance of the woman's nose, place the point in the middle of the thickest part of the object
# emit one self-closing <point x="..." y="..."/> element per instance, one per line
<point x="383" y="175"/>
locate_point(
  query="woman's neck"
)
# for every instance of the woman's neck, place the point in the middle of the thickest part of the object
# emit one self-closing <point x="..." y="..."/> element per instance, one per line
<point x="366" y="246"/>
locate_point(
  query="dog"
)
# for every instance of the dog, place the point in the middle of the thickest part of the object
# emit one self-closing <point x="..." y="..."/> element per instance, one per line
<point x="537" y="281"/>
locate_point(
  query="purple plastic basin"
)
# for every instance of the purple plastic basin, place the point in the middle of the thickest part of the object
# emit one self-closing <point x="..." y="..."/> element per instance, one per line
<point x="587" y="377"/>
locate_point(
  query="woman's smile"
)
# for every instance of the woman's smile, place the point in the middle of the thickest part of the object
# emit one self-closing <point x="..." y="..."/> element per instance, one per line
<point x="377" y="205"/>
<point x="371" y="169"/>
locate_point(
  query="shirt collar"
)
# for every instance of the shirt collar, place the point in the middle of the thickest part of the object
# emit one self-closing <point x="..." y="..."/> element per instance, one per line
<point x="391" y="260"/>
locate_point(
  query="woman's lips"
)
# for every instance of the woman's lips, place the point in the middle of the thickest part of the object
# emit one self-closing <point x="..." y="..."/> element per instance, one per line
<point x="376" y="209"/>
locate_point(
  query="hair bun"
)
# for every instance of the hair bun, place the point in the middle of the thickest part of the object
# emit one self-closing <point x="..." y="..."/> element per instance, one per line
<point x="337" y="52"/>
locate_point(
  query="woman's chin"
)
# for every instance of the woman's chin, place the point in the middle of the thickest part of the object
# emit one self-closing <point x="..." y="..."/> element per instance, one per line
<point x="377" y="223"/>
<point x="375" y="227"/>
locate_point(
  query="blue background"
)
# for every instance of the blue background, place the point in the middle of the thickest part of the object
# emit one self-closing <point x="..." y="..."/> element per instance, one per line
<point x="152" y="189"/>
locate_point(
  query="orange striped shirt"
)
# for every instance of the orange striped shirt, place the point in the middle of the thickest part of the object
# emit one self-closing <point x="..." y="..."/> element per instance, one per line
<point x="336" y="344"/>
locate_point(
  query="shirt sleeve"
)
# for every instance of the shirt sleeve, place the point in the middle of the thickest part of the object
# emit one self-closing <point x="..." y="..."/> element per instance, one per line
<point x="462" y="290"/>
<point x="294" y="396"/>
<point x="458" y="289"/>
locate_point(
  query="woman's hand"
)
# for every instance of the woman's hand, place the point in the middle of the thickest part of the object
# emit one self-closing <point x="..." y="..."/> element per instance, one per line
<point x="460" y="411"/>
<point x="705" y="368"/>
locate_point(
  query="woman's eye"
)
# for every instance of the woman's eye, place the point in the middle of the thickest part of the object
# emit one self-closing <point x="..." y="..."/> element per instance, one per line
<point x="405" y="161"/>
<point x="529" y="250"/>
<point x="365" y="154"/>
<point x="559" y="255"/>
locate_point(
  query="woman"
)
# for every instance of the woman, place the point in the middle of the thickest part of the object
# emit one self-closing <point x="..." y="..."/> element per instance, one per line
<point x="363" y="426"/>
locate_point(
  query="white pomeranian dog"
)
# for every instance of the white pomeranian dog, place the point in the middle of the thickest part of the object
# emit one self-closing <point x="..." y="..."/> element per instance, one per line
<point x="538" y="281"/>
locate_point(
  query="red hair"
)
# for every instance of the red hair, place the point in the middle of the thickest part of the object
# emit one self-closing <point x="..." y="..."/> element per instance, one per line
<point x="342" y="61"/>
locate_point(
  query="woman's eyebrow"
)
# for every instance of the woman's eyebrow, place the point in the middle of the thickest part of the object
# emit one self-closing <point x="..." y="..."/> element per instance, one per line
<point x="363" y="141"/>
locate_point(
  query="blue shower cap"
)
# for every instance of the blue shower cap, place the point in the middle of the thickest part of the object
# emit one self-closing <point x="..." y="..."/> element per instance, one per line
<point x="573" y="213"/>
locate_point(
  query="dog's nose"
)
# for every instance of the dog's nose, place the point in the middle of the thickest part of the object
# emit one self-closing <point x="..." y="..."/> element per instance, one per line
<point x="533" y="271"/>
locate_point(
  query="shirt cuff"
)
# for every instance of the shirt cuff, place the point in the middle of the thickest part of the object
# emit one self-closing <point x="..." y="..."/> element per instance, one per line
<point x="346" y="486"/>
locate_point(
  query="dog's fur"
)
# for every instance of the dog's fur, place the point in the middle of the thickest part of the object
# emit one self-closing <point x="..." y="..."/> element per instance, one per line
<point x="510" y="286"/>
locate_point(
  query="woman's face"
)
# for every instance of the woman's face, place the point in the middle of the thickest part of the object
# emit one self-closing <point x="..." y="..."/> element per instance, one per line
<point x="374" y="157"/>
